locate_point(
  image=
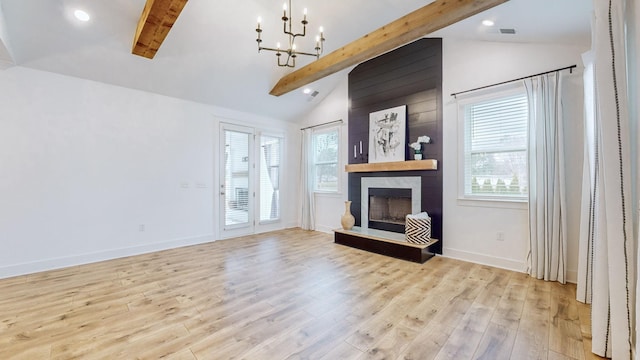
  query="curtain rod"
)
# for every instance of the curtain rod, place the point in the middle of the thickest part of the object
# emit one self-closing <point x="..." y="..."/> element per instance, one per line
<point x="570" y="68"/>
<point x="327" y="123"/>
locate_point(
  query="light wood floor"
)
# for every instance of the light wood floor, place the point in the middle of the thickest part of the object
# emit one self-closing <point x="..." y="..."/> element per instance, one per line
<point x="289" y="294"/>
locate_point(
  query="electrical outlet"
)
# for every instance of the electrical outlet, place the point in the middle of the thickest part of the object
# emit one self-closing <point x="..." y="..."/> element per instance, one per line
<point x="141" y="227"/>
<point x="500" y="236"/>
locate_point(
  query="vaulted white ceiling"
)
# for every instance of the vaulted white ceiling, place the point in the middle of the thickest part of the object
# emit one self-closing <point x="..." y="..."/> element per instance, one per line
<point x="210" y="55"/>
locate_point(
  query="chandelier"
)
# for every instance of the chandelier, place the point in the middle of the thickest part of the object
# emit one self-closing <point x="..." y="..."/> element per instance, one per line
<point x="290" y="50"/>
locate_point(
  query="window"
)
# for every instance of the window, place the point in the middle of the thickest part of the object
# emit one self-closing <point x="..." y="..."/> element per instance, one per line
<point x="325" y="159"/>
<point x="495" y="146"/>
<point x="270" y="156"/>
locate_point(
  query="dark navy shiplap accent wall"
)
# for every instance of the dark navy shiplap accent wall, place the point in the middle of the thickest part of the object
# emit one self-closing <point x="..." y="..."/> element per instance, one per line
<point x="412" y="76"/>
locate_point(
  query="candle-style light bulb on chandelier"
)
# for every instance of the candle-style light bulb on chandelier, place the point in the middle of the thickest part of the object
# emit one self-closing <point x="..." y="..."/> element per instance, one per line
<point x="291" y="50"/>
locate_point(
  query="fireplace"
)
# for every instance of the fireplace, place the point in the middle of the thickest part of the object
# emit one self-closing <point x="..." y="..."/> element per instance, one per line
<point x="388" y="208"/>
<point x="387" y="200"/>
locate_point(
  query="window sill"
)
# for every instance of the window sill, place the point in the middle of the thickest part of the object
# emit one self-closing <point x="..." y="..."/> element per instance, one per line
<point x="494" y="203"/>
<point x="328" y="193"/>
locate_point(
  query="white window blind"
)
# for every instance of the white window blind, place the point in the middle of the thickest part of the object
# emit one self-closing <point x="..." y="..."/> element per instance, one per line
<point x="495" y="158"/>
<point x="270" y="157"/>
<point x="325" y="159"/>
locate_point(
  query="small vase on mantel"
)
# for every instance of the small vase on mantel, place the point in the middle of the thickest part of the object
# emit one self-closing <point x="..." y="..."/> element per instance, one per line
<point x="347" y="220"/>
<point x="417" y="156"/>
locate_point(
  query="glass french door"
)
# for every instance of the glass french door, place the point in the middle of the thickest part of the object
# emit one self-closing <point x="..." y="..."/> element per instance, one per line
<point x="237" y="194"/>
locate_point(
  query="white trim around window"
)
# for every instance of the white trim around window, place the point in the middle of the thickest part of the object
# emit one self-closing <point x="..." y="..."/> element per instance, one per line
<point x="327" y="164"/>
<point x="492" y="147"/>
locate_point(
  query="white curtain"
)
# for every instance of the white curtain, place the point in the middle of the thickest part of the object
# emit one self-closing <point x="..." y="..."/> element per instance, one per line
<point x="606" y="273"/>
<point x="306" y="180"/>
<point x="547" y="256"/>
<point x="589" y="186"/>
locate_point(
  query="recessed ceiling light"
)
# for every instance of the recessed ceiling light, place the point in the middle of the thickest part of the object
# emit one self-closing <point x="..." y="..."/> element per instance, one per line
<point x="307" y="91"/>
<point x="81" y="15"/>
<point x="488" y="22"/>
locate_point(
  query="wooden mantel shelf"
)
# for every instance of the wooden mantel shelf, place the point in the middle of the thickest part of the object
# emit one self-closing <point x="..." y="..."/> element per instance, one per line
<point x="408" y="165"/>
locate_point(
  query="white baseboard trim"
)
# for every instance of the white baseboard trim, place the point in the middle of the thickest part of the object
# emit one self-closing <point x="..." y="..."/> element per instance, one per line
<point x="63" y="262"/>
<point x="503" y="263"/>
<point x="325" y="229"/>
<point x="260" y="229"/>
<point x="4" y="65"/>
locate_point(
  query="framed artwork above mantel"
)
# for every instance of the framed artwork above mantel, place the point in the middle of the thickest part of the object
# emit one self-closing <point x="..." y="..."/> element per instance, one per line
<point x="387" y="132"/>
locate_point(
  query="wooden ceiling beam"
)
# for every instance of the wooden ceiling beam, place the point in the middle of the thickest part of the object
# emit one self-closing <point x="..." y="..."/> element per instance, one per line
<point x="158" y="16"/>
<point x="432" y="17"/>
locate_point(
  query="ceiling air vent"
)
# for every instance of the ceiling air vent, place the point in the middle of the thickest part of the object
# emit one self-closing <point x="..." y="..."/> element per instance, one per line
<point x="312" y="96"/>
<point x="508" y="31"/>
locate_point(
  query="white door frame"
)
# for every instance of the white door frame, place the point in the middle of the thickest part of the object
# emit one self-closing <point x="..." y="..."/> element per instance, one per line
<point x="227" y="231"/>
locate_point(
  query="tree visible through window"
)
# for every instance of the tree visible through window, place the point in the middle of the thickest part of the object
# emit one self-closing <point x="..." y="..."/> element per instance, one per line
<point x="325" y="160"/>
<point x="495" y="141"/>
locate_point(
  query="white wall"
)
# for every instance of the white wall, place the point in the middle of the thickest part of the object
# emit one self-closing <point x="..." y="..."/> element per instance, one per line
<point x="6" y="60"/>
<point x="90" y="171"/>
<point x="330" y="207"/>
<point x="470" y="228"/>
